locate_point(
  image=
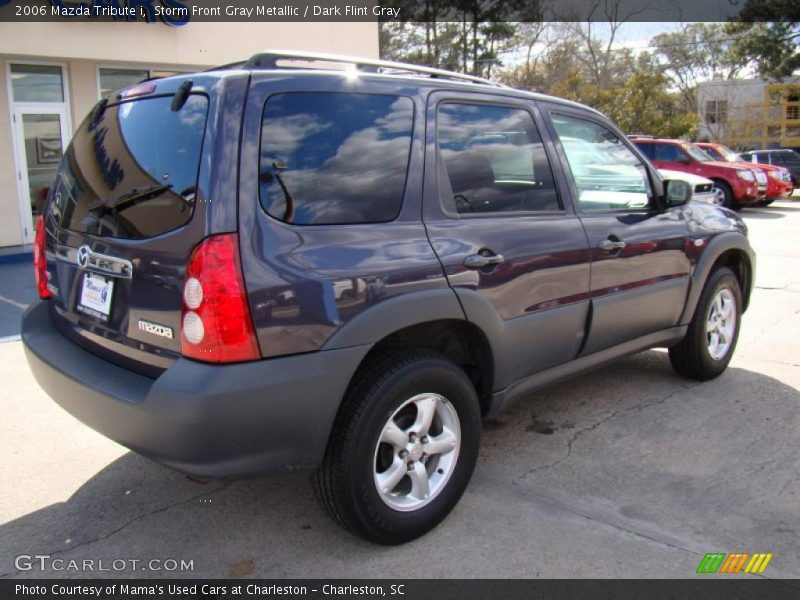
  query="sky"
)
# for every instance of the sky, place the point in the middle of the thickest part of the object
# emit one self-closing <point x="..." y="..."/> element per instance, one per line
<point x="636" y="35"/>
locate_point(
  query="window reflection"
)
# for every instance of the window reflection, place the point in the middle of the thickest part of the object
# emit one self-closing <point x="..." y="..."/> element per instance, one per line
<point x="36" y="83"/>
<point x="334" y="158"/>
<point x="607" y="174"/>
<point x="494" y="161"/>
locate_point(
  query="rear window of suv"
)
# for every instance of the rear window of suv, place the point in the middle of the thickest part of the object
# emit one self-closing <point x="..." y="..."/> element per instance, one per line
<point x="132" y="173"/>
<point x="334" y="158"/>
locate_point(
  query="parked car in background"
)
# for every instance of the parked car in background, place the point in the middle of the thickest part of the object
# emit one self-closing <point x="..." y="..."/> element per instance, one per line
<point x="702" y="188"/>
<point x="346" y="270"/>
<point x="779" y="157"/>
<point x="779" y="180"/>
<point x="734" y="186"/>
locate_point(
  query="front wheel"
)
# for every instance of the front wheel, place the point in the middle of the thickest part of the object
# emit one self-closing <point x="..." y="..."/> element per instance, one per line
<point x="723" y="194"/>
<point x="712" y="335"/>
<point x="403" y="447"/>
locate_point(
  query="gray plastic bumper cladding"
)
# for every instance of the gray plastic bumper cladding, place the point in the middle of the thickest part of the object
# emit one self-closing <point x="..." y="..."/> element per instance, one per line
<point x="204" y="420"/>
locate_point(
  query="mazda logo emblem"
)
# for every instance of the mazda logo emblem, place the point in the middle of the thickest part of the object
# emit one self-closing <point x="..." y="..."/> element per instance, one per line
<point x="83" y="256"/>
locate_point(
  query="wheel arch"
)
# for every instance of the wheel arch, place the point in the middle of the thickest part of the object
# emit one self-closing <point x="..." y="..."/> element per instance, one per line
<point x="730" y="250"/>
<point x="433" y="320"/>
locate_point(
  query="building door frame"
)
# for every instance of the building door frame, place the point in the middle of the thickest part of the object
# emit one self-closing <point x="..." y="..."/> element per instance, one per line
<point x="16" y="110"/>
<point x="21" y="158"/>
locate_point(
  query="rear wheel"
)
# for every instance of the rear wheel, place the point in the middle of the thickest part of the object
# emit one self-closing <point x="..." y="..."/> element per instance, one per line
<point x="403" y="447"/>
<point x="723" y="195"/>
<point x="712" y="335"/>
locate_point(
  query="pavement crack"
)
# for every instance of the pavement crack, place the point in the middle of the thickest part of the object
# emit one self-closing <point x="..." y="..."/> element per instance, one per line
<point x="123" y="527"/>
<point x="593" y="426"/>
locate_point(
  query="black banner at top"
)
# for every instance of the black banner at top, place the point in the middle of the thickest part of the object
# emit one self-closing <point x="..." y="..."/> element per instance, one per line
<point x="182" y="12"/>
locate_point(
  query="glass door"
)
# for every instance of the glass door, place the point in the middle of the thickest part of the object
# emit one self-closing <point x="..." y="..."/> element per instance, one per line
<point x="41" y="137"/>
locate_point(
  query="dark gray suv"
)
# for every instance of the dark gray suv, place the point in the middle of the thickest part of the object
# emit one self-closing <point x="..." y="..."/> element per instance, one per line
<point x="276" y="266"/>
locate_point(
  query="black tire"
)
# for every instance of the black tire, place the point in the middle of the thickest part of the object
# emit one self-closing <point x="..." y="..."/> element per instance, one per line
<point x="726" y="191"/>
<point x="766" y="202"/>
<point x="345" y="484"/>
<point x="691" y="357"/>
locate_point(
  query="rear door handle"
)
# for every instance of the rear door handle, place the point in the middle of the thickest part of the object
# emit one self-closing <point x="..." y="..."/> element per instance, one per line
<point x="612" y="245"/>
<point x="479" y="261"/>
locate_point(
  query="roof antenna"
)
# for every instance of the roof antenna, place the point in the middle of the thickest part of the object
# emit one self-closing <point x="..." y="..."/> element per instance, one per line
<point x="181" y="95"/>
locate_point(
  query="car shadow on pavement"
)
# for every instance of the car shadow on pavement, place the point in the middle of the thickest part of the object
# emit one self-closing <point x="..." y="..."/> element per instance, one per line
<point x="272" y="526"/>
<point x="763" y="213"/>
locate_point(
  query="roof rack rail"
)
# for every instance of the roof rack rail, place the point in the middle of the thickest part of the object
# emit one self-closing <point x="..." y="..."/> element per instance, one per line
<point x="269" y="60"/>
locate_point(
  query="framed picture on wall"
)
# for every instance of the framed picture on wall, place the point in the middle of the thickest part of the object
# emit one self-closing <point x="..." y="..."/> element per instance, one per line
<point x="48" y="149"/>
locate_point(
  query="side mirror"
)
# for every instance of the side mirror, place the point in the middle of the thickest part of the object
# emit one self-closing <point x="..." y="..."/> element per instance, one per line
<point x="677" y="192"/>
<point x="685" y="160"/>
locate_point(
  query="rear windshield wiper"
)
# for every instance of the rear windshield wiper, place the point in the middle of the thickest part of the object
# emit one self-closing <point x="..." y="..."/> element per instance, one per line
<point x="126" y="201"/>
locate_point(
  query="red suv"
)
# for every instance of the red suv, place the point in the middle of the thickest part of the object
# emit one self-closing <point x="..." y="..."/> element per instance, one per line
<point x="779" y="180"/>
<point x="734" y="185"/>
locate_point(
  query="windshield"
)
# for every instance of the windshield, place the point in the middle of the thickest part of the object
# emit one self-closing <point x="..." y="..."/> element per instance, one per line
<point x="132" y="172"/>
<point x="696" y="153"/>
<point x="729" y="154"/>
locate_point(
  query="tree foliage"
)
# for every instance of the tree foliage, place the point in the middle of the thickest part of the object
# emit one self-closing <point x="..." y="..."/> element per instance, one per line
<point x="767" y="32"/>
<point x="644" y="90"/>
<point x="698" y="52"/>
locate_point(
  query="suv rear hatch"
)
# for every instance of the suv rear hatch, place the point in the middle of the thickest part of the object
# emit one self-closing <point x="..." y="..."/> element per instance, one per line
<point x="126" y="210"/>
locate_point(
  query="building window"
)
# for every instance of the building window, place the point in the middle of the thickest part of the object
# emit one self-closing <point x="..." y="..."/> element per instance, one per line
<point x="37" y="83"/>
<point x="115" y="79"/>
<point x="112" y="79"/>
<point x="793" y="107"/>
<point x="716" y="111"/>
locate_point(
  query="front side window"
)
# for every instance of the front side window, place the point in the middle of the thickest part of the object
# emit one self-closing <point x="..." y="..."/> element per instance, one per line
<point x="334" y="158"/>
<point x="492" y="161"/>
<point x="713" y="153"/>
<point x="696" y="153"/>
<point x="607" y="174"/>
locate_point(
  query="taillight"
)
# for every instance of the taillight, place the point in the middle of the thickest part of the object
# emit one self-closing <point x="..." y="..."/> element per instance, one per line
<point x="216" y="318"/>
<point x="40" y="261"/>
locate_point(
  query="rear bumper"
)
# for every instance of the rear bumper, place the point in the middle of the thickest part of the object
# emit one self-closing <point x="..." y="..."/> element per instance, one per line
<point x="204" y="420"/>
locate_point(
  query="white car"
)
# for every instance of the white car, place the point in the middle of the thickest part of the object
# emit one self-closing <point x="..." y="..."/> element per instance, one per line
<point x="702" y="188"/>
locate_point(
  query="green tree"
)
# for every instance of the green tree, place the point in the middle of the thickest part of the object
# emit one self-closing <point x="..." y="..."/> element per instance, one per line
<point x="698" y="52"/>
<point x="767" y="32"/>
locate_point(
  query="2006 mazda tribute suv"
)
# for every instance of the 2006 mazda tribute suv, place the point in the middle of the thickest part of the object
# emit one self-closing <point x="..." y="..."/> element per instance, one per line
<point x="273" y="265"/>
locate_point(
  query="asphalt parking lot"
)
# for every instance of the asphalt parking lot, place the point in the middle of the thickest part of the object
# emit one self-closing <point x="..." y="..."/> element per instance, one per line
<point x="626" y="472"/>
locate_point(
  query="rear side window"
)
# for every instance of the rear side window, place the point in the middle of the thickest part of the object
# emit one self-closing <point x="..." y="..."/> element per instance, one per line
<point x="132" y="174"/>
<point x="334" y="158"/>
<point x="493" y="159"/>
<point x="646" y="148"/>
<point x="669" y="153"/>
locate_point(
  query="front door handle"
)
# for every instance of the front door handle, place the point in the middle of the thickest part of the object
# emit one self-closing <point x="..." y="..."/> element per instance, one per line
<point x="479" y="261"/>
<point x="612" y="245"/>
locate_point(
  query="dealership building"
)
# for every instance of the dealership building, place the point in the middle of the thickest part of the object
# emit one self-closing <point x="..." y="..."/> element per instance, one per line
<point x="53" y="73"/>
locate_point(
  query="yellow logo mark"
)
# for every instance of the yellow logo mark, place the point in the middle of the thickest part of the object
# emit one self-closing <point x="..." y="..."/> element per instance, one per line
<point x="758" y="563"/>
